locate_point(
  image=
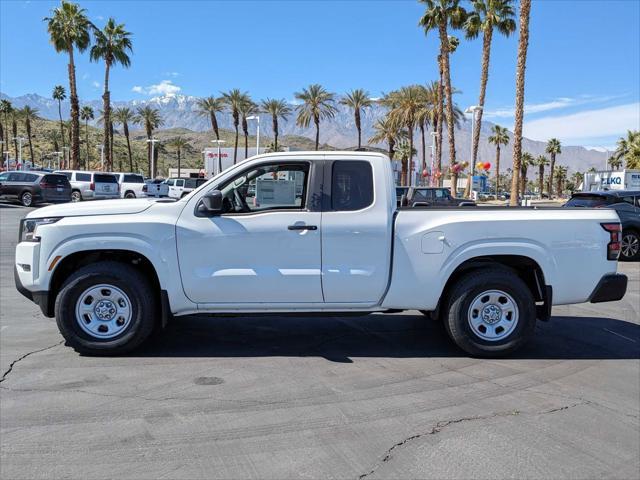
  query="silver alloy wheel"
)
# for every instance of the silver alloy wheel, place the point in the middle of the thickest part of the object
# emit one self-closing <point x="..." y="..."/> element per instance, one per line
<point x="630" y="245"/>
<point x="493" y="315"/>
<point x="75" y="197"/>
<point x="26" y="199"/>
<point x="103" y="311"/>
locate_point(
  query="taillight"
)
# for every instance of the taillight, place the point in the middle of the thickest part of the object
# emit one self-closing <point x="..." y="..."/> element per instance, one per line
<point x="92" y="186"/>
<point x="144" y="188"/>
<point x="44" y="184"/>
<point x="615" y="234"/>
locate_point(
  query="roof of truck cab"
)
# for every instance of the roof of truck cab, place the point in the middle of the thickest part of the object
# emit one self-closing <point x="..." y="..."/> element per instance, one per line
<point x="318" y="154"/>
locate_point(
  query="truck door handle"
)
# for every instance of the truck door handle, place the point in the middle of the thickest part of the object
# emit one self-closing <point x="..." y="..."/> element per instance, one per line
<point x="302" y="227"/>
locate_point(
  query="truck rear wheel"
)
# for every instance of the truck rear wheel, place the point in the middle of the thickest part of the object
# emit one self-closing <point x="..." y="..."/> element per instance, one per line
<point x="490" y="313"/>
<point x="106" y="308"/>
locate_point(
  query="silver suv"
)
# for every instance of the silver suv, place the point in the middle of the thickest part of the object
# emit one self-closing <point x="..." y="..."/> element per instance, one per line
<point x="92" y="185"/>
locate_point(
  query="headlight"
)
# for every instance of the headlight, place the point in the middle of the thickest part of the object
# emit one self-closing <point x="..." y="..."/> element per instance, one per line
<point x="29" y="228"/>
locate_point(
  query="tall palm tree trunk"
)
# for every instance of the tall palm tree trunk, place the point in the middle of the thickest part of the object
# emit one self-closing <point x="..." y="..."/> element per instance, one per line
<point x="61" y="123"/>
<point x="28" y="128"/>
<point x="86" y="130"/>
<point x="235" y="146"/>
<point x="440" y="120"/>
<point x="523" y="44"/>
<point x="358" y="127"/>
<point x="392" y="148"/>
<point x="111" y="149"/>
<point x="552" y="167"/>
<point x="497" y="170"/>
<point x="316" y="121"/>
<point x="214" y="125"/>
<point x="444" y="47"/>
<point x="75" y="115"/>
<point x="523" y="180"/>
<point x="245" y="131"/>
<point x="541" y="179"/>
<point x="125" y="128"/>
<point x="14" y="128"/>
<point x="484" y="77"/>
<point x="178" y="163"/>
<point x="424" y="150"/>
<point x="149" y="133"/>
<point x="106" y="108"/>
<point x="274" y="121"/>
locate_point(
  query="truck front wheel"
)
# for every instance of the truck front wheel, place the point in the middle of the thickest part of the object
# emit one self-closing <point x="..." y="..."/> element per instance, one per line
<point x="490" y="313"/>
<point x="106" y="308"/>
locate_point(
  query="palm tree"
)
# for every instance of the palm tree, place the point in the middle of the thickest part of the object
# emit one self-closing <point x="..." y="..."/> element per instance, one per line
<point x="523" y="44"/>
<point x="404" y="106"/>
<point x="208" y="107"/>
<point x="317" y="104"/>
<point x="526" y="161"/>
<point x="500" y="137"/>
<point x="112" y="44"/>
<point x="357" y="100"/>
<point x="541" y="161"/>
<point x="553" y="149"/>
<point x="439" y="15"/>
<point x="614" y="163"/>
<point x="277" y="109"/>
<point x="59" y="94"/>
<point x="86" y="114"/>
<point x="247" y="108"/>
<point x="124" y="116"/>
<point x="234" y="99"/>
<point x="15" y="117"/>
<point x="425" y="116"/>
<point x="387" y="132"/>
<point x="69" y="28"/>
<point x="628" y="148"/>
<point x="560" y="176"/>
<point x="6" y="108"/>
<point x="150" y="118"/>
<point x="28" y="115"/>
<point x="179" y="144"/>
<point x="486" y="16"/>
<point x="405" y="151"/>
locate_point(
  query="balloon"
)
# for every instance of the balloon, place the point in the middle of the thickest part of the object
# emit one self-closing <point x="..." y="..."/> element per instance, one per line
<point x="425" y="173"/>
<point x="487" y="166"/>
<point x="480" y="166"/>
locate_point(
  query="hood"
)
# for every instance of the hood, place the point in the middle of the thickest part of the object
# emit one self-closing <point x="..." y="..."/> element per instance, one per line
<point x="94" y="207"/>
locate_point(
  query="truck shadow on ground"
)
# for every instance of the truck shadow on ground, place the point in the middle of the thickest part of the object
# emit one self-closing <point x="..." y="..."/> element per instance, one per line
<point x="339" y="339"/>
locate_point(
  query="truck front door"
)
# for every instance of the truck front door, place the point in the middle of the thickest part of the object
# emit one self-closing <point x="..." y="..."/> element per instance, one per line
<point x="265" y="247"/>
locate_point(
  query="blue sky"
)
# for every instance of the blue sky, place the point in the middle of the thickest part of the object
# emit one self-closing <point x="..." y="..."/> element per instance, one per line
<point x="583" y="73"/>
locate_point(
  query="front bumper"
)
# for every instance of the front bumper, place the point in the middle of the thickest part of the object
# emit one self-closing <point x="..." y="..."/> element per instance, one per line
<point x="610" y="288"/>
<point x="39" y="298"/>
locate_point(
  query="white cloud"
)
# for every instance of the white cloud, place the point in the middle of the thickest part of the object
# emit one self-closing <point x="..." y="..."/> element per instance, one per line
<point x="587" y="125"/>
<point x="95" y="84"/>
<point x="555" y="104"/>
<point x="166" y="88"/>
<point x="85" y="76"/>
<point x="172" y="74"/>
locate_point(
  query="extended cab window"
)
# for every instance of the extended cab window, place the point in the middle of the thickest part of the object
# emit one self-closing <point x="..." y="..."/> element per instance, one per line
<point x="83" y="177"/>
<point x="133" y="179"/>
<point x="351" y="185"/>
<point x="267" y="187"/>
<point x="102" y="178"/>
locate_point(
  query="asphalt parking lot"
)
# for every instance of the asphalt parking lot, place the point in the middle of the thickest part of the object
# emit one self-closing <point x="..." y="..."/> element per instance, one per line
<point x="380" y="396"/>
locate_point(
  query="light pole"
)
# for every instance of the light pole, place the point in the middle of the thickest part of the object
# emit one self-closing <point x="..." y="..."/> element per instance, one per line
<point x="219" y="155"/>
<point x="101" y="147"/>
<point x="472" y="110"/>
<point x="434" y="135"/>
<point x="19" y="140"/>
<point x="606" y="160"/>
<point x="257" y="119"/>
<point x="152" y="165"/>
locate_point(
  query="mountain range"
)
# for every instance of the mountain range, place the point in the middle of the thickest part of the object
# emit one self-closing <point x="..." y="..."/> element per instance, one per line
<point x="180" y="111"/>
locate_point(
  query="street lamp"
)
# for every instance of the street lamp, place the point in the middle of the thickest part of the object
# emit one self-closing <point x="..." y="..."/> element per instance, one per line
<point x="152" y="164"/>
<point x="101" y="147"/>
<point x="257" y="119"/>
<point x="219" y="156"/>
<point x="472" y="110"/>
<point x="19" y="140"/>
<point x="606" y="160"/>
<point x="434" y="135"/>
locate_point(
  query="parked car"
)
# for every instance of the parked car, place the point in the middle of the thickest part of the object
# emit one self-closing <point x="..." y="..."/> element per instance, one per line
<point x="112" y="272"/>
<point x="429" y="197"/>
<point x="627" y="204"/>
<point x="92" y="185"/>
<point x="155" y="188"/>
<point x="180" y="187"/>
<point x="33" y="186"/>
<point x="131" y="184"/>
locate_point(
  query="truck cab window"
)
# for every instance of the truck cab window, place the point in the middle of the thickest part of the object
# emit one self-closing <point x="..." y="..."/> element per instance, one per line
<point x="351" y="185"/>
<point x="268" y="187"/>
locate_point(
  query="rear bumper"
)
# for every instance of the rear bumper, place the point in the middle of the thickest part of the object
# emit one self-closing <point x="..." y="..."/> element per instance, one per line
<point x="610" y="288"/>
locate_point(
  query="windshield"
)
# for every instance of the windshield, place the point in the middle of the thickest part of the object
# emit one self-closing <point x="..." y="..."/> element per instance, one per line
<point x="588" y="201"/>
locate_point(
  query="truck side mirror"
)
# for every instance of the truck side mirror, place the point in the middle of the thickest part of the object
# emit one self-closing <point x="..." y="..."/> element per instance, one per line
<point x="212" y="202"/>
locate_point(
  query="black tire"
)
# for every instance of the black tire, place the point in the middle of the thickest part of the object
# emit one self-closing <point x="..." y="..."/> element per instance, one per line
<point x="26" y="199"/>
<point x="630" y="250"/>
<point x="457" y="311"/>
<point x="129" y="195"/>
<point x="76" y="196"/>
<point x="143" y="301"/>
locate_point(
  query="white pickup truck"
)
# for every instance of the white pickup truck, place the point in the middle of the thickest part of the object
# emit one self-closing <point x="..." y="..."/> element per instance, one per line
<point x="311" y="232"/>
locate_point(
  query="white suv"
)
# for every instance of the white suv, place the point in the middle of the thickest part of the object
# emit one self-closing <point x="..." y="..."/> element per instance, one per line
<point x="130" y="184"/>
<point x="91" y="185"/>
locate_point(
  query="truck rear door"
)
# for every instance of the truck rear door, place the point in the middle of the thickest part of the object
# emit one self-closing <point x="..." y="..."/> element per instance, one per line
<point x="356" y="231"/>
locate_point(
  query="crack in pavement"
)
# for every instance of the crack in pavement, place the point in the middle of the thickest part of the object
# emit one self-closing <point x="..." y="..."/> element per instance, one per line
<point x="12" y="364"/>
<point x="445" y="423"/>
